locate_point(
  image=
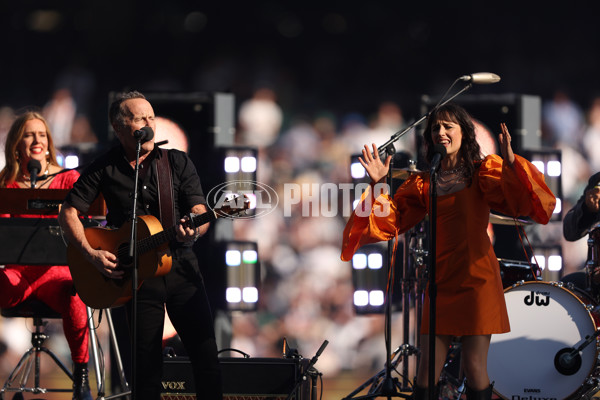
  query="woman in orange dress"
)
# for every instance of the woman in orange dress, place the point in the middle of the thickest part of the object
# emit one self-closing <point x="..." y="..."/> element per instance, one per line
<point x="470" y="298"/>
<point x="29" y="139"/>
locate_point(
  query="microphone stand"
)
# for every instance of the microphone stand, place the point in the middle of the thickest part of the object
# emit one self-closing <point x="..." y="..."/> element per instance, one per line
<point x="134" y="278"/>
<point x="309" y="370"/>
<point x="388" y="386"/>
<point x="432" y="284"/>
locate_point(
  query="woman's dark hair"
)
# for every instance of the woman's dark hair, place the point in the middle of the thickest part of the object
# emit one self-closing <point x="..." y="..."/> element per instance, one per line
<point x="469" y="152"/>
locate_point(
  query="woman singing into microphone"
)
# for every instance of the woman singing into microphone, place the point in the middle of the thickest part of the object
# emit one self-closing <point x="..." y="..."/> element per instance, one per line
<point x="470" y="299"/>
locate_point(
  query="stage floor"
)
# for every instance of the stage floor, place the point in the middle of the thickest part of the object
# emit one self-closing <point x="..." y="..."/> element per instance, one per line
<point x="333" y="388"/>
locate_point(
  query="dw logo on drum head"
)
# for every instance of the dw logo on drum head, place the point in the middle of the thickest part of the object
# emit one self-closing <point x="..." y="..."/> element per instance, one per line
<point x="529" y="299"/>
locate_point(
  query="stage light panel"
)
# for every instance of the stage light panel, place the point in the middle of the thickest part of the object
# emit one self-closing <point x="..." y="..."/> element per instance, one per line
<point x="540" y="165"/>
<point x="555" y="263"/>
<point x="250" y="294"/>
<point x="233" y="258"/>
<point x="359" y="261"/>
<point x="369" y="276"/>
<point x="549" y="162"/>
<point x="550" y="260"/>
<point x="231" y="164"/>
<point x="250" y="256"/>
<point x="375" y="260"/>
<point x="361" y="298"/>
<point x="240" y="163"/>
<point x="540" y="259"/>
<point x="233" y="295"/>
<point x="554" y="168"/>
<point x="376" y="298"/>
<point x="242" y="274"/>
<point x="357" y="171"/>
<point x="71" y="161"/>
<point x="248" y="164"/>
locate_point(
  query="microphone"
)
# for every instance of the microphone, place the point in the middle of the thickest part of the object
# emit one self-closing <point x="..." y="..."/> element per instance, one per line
<point x="439" y="152"/>
<point x="34" y="167"/>
<point x="143" y="135"/>
<point x="481" y="78"/>
<point x="314" y="360"/>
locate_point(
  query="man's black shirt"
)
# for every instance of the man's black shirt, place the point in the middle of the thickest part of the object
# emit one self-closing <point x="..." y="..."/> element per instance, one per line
<point x="112" y="175"/>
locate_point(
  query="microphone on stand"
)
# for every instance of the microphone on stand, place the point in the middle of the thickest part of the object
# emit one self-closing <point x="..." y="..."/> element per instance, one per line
<point x="481" y="78"/>
<point x="314" y="360"/>
<point x="439" y="152"/>
<point x="34" y="167"/>
<point x="144" y="135"/>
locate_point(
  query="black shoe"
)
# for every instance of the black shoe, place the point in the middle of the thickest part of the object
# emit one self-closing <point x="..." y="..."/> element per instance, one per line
<point x="420" y="393"/>
<point x="485" y="394"/>
<point x="81" y="383"/>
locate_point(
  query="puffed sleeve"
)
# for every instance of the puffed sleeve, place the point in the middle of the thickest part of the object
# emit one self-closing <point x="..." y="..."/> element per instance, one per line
<point x="517" y="191"/>
<point x="381" y="220"/>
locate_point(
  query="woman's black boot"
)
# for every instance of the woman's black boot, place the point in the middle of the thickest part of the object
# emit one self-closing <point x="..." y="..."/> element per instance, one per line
<point x="420" y="393"/>
<point x="485" y="394"/>
<point x="81" y="382"/>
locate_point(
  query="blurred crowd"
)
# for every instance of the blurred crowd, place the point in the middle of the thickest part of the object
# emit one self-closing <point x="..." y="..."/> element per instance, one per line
<point x="306" y="292"/>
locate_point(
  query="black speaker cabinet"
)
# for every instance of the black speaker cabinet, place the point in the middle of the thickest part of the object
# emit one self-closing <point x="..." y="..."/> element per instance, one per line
<point x="247" y="378"/>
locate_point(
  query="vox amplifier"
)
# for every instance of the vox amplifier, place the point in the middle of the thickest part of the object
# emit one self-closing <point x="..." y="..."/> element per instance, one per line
<point x="243" y="378"/>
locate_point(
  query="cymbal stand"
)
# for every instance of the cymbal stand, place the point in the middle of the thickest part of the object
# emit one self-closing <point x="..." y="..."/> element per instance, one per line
<point x="419" y="254"/>
<point x="410" y="290"/>
<point x="387" y="386"/>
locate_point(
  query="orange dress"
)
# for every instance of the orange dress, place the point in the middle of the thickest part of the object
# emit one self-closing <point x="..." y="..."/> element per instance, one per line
<point x="470" y="296"/>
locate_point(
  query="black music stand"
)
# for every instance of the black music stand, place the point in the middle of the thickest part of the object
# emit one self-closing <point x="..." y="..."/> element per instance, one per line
<point x="34" y="241"/>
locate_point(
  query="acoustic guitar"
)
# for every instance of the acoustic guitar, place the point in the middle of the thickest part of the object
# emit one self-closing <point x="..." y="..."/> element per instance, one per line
<point x="154" y="259"/>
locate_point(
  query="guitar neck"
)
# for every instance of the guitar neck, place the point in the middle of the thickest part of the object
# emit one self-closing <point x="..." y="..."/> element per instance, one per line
<point x="154" y="241"/>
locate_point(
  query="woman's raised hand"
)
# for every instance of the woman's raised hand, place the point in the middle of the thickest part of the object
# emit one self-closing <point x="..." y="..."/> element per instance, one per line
<point x="376" y="169"/>
<point x="505" y="148"/>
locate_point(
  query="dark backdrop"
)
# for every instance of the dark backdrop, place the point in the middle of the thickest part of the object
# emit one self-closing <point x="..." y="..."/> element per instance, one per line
<point x="339" y="56"/>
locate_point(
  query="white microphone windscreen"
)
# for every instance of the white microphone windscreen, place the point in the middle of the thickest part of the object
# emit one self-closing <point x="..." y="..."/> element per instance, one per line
<point x="483" y="78"/>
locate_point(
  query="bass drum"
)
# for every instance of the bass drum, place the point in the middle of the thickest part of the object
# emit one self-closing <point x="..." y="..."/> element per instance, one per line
<point x="545" y="318"/>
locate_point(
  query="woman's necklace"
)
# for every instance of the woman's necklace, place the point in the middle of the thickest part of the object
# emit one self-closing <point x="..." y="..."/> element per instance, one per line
<point x="451" y="180"/>
<point x="39" y="179"/>
<point x="453" y="171"/>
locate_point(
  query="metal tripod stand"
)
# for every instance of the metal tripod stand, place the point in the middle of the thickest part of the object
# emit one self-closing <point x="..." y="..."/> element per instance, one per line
<point x="383" y="384"/>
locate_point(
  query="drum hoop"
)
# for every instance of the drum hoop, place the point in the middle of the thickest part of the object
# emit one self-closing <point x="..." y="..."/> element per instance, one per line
<point x="597" y="349"/>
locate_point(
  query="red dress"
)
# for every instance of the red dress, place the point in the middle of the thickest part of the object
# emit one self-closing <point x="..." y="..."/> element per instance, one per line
<point x="51" y="284"/>
<point x="470" y="296"/>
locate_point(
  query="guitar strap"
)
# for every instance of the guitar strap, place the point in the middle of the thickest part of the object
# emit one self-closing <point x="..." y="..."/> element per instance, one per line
<point x="165" y="190"/>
